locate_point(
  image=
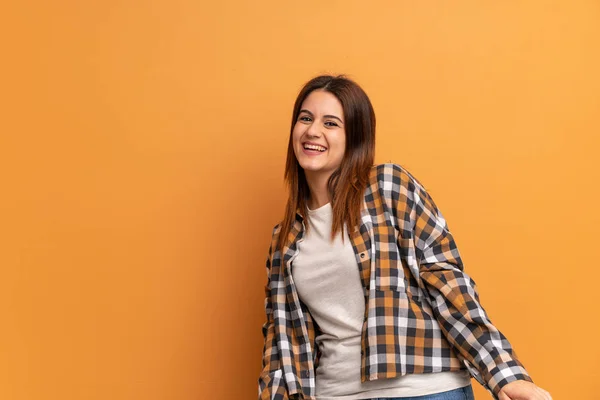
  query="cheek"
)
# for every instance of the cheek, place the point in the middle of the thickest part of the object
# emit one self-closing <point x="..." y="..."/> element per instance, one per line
<point x="340" y="143"/>
<point x="296" y="137"/>
<point x="296" y="133"/>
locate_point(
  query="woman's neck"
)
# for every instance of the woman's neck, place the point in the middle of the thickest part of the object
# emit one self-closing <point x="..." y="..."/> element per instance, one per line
<point x="319" y="193"/>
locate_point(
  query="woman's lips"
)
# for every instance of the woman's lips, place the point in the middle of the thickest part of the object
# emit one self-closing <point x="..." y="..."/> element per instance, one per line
<point x="312" y="152"/>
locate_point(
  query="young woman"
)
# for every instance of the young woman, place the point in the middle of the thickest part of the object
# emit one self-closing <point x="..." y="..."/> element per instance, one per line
<point x="366" y="296"/>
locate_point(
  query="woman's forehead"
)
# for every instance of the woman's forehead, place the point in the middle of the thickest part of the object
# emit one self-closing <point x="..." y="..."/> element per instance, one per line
<point x="322" y="102"/>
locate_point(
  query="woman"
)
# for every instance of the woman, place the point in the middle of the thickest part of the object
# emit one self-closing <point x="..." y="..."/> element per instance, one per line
<point x="366" y="296"/>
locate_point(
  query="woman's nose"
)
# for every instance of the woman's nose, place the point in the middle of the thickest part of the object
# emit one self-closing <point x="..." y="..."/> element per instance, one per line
<point x="313" y="130"/>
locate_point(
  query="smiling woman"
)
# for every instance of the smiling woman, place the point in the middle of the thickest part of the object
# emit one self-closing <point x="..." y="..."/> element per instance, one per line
<point x="336" y="114"/>
<point x="366" y="294"/>
<point x="319" y="140"/>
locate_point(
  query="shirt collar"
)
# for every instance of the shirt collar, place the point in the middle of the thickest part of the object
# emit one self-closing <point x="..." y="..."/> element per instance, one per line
<point x="299" y="214"/>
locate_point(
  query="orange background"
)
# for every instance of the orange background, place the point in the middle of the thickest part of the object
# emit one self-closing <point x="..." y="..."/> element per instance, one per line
<point x="142" y="150"/>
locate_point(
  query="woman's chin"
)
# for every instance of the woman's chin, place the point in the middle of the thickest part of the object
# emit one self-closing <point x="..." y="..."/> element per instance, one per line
<point x="311" y="166"/>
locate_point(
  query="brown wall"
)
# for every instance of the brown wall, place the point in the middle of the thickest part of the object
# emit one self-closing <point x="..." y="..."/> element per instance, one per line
<point x="142" y="149"/>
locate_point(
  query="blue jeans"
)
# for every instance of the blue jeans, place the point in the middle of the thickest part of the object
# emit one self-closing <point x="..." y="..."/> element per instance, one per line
<point x="464" y="393"/>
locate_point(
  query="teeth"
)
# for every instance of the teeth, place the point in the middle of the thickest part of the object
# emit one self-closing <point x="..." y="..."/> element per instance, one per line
<point x="314" y="147"/>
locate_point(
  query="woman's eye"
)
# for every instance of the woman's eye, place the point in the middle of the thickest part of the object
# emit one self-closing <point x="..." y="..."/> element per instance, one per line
<point x="330" y="123"/>
<point x="304" y="118"/>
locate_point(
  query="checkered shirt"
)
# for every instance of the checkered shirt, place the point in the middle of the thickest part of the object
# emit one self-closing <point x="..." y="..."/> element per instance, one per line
<point x="422" y="311"/>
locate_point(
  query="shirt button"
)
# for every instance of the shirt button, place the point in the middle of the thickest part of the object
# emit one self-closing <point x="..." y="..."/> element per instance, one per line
<point x="362" y="255"/>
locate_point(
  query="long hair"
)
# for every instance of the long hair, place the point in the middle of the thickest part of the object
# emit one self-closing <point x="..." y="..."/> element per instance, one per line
<point x="348" y="182"/>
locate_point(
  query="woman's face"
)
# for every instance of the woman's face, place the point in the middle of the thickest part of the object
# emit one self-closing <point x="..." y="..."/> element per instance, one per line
<point x="319" y="136"/>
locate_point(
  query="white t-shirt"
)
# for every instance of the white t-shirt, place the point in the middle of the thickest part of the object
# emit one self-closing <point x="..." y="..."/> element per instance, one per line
<point x="328" y="282"/>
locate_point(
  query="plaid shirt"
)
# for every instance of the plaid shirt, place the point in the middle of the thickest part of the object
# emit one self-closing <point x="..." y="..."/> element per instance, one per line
<point x="422" y="310"/>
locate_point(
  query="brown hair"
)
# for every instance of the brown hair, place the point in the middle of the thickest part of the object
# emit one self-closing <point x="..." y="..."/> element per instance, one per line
<point x="347" y="184"/>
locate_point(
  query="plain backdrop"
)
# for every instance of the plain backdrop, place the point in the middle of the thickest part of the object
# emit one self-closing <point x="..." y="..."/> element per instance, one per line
<point x="142" y="147"/>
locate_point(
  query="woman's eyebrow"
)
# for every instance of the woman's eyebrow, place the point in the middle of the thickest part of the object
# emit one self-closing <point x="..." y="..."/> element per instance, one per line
<point x="333" y="116"/>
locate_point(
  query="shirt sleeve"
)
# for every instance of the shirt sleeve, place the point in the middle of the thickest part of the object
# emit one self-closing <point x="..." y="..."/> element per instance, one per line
<point x="454" y="298"/>
<point x="271" y="383"/>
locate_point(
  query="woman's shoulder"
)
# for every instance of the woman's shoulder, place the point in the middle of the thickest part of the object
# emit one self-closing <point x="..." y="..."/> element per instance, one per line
<point x="275" y="231"/>
<point x="396" y="175"/>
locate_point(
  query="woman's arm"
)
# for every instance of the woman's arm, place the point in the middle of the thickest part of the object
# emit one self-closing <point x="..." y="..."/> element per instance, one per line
<point x="455" y="302"/>
<point x="271" y="383"/>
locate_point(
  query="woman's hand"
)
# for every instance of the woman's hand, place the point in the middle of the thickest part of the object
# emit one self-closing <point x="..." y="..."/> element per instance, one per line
<point x="523" y="390"/>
